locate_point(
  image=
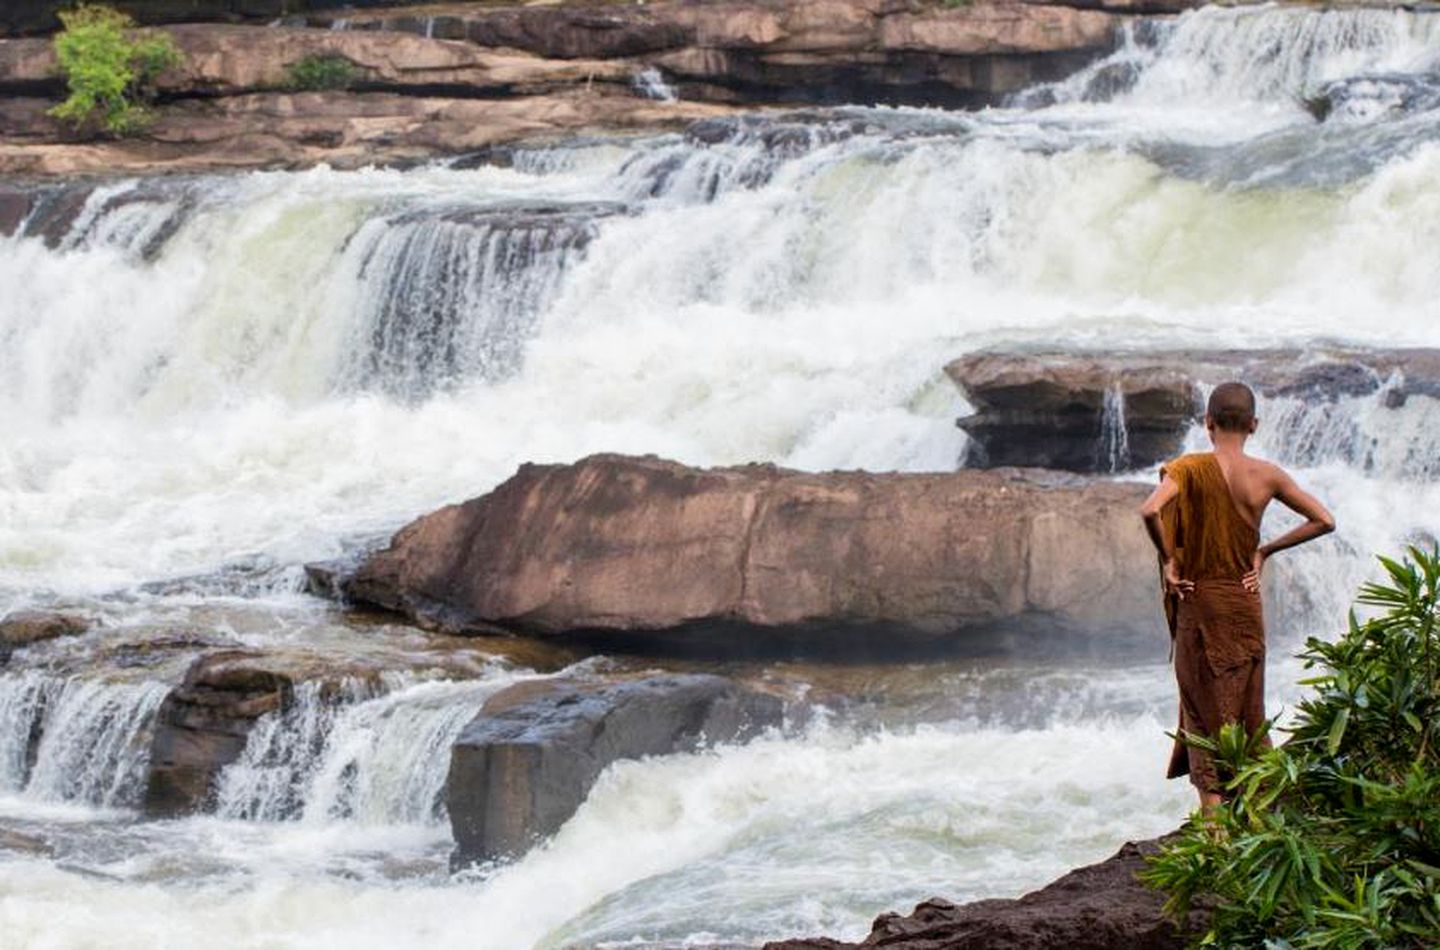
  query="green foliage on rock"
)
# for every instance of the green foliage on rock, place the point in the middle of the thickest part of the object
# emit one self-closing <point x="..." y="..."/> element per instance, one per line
<point x="319" y="72"/>
<point x="110" y="68"/>
<point x="1333" y="838"/>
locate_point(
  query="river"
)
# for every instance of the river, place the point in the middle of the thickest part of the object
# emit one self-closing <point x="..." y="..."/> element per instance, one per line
<point x="212" y="380"/>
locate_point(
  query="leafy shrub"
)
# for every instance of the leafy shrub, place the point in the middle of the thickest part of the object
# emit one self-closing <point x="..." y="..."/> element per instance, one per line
<point x="322" y="71"/>
<point x="110" y="68"/>
<point x="1333" y="838"/>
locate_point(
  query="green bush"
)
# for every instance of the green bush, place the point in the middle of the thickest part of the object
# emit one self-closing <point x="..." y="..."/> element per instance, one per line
<point x="1333" y="839"/>
<point x="110" y="68"/>
<point x="322" y="71"/>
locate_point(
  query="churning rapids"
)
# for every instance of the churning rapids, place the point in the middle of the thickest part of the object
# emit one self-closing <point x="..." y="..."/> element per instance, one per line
<point x="211" y="380"/>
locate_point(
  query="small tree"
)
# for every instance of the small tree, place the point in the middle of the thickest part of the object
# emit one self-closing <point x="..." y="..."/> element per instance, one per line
<point x="321" y="71"/>
<point x="110" y="68"/>
<point x="1333" y="838"/>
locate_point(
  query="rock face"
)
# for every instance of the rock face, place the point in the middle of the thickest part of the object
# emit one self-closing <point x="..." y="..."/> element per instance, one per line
<point x="527" y="761"/>
<point x="453" y="77"/>
<point x="859" y="51"/>
<point x="202" y="726"/>
<point x="614" y="546"/>
<point x="32" y="626"/>
<point x="1100" y="907"/>
<point x="345" y="130"/>
<point x="1116" y="411"/>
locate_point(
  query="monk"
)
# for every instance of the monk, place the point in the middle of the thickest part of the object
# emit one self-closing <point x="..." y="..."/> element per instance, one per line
<point x="1204" y="520"/>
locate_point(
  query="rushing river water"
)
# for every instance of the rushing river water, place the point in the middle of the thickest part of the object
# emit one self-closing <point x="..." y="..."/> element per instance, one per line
<point x="212" y="380"/>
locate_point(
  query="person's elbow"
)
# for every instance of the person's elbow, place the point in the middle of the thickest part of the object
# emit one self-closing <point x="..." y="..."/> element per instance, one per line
<point x="1326" y="521"/>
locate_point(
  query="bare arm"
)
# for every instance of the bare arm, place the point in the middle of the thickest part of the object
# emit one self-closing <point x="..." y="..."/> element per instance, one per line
<point x="1318" y="522"/>
<point x="1165" y="493"/>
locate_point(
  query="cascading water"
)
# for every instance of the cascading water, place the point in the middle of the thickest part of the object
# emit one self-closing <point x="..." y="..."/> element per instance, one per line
<point x="75" y="739"/>
<point x="260" y="369"/>
<point x="1114" y="432"/>
<point x="373" y="752"/>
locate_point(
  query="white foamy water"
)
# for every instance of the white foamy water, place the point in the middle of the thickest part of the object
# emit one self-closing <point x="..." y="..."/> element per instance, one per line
<point x="257" y="370"/>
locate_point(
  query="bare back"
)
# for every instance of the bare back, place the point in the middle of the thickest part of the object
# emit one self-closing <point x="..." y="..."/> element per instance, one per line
<point x="1254" y="483"/>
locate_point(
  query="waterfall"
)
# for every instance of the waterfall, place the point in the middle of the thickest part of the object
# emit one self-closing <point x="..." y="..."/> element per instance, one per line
<point x="377" y="754"/>
<point x="1114" y="445"/>
<point x="76" y="739"/>
<point x="651" y="84"/>
<point x="455" y="295"/>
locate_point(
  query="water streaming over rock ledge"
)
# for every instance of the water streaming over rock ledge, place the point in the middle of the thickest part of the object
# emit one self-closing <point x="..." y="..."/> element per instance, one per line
<point x="262" y="369"/>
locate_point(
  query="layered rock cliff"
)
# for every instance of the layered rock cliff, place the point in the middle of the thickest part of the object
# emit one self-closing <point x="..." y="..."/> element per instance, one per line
<point x="462" y="76"/>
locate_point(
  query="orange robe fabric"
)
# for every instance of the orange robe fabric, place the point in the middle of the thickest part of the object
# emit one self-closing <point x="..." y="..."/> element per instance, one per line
<point x="1218" y="631"/>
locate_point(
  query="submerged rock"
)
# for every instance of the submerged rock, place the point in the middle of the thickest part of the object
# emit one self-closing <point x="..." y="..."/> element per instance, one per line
<point x="1089" y="412"/>
<point x="1099" y="907"/>
<point x="621" y="551"/>
<point x="527" y="761"/>
<point x="203" y="725"/>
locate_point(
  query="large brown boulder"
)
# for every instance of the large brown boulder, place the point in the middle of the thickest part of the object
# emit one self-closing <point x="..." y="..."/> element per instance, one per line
<point x="1114" y="411"/>
<point x="1099" y="907"/>
<point x="22" y="628"/>
<point x="622" y="549"/>
<point x="527" y="761"/>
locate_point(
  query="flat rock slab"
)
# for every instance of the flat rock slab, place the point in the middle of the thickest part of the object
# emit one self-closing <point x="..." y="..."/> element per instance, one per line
<point x="619" y="551"/>
<point x="524" y="765"/>
<point x="1088" y="412"/>
<point x="25" y="627"/>
<point x="1099" y="907"/>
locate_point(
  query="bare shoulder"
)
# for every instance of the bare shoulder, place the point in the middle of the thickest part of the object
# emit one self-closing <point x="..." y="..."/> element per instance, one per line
<point x="1272" y="476"/>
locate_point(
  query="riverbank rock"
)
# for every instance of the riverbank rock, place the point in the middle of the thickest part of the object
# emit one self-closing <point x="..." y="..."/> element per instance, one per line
<point x="528" y="760"/>
<point x="25" y="627"/>
<point x="644" y="552"/>
<point x="202" y="726"/>
<point x="1090" y="412"/>
<point x="479" y="74"/>
<point x="343" y="129"/>
<point x="1099" y="907"/>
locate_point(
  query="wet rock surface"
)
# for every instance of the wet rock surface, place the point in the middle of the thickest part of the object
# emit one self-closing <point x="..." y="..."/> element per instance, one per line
<point x="1091" y="412"/>
<point x="25" y="627"/>
<point x="202" y="726"/>
<point x="528" y="760"/>
<point x="628" y="551"/>
<point x="1099" y="907"/>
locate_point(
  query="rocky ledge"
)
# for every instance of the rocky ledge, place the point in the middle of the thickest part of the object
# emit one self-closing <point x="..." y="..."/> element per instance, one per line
<point x="640" y="552"/>
<point x="1089" y="412"/>
<point x="467" y="75"/>
<point x="1100" y="907"/>
<point x="529" y="758"/>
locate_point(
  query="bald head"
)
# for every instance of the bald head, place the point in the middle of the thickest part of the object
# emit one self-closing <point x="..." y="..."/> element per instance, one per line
<point x="1232" y="408"/>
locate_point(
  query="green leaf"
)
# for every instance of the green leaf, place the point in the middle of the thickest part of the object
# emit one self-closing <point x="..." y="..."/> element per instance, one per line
<point x="1337" y="731"/>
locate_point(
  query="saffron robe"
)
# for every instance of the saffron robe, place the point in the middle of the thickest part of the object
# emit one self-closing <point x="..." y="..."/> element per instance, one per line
<point x="1218" y="631"/>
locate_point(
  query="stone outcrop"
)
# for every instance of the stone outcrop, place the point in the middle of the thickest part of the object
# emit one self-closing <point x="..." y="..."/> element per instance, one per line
<point x="222" y="59"/>
<point x="527" y="761"/>
<point x="781" y="50"/>
<point x="25" y="627"/>
<point x="1100" y="907"/>
<point x="463" y="76"/>
<point x="35" y="16"/>
<point x="1113" y="411"/>
<point x="643" y="550"/>
<point x="345" y="130"/>
<point x="202" y="726"/>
